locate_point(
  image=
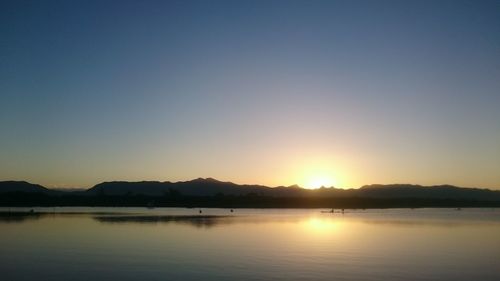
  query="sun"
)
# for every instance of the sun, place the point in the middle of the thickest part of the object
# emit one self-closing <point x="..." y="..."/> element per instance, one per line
<point x="318" y="181"/>
<point x="316" y="173"/>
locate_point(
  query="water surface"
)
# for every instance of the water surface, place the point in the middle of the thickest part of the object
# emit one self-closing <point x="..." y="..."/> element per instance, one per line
<point x="249" y="244"/>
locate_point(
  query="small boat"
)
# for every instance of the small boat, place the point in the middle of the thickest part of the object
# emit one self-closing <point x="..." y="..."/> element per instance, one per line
<point x="329" y="212"/>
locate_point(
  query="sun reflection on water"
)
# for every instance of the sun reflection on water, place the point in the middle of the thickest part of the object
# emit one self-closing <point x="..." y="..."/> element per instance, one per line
<point x="322" y="226"/>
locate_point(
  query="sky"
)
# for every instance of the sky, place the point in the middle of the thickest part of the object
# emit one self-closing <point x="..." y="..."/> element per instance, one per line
<point x="342" y="93"/>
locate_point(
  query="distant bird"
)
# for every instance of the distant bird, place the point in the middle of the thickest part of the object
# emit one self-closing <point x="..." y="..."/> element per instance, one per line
<point x="232" y="210"/>
<point x="200" y="211"/>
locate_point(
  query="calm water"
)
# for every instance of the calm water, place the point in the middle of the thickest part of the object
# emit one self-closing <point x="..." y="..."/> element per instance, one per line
<point x="179" y="244"/>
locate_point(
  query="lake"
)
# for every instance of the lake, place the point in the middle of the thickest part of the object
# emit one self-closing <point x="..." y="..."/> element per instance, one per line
<point x="249" y="244"/>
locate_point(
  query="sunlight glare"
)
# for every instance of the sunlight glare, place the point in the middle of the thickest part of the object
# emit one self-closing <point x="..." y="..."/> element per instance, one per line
<point x="318" y="225"/>
<point x="320" y="181"/>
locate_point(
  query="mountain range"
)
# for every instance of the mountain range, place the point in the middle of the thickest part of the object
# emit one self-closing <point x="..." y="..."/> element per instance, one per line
<point x="212" y="187"/>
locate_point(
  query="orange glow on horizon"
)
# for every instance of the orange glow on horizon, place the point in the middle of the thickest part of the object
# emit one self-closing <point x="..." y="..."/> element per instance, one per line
<point x="317" y="174"/>
<point x="318" y="181"/>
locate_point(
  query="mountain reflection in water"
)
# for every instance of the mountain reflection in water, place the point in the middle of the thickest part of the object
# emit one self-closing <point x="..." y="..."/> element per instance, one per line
<point x="195" y="220"/>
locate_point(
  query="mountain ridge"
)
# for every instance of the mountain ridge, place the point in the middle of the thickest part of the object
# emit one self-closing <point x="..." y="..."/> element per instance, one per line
<point x="212" y="187"/>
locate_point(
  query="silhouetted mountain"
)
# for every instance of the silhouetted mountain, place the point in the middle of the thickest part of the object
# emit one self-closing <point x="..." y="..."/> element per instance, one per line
<point x="121" y="188"/>
<point x="213" y="193"/>
<point x="21" y="186"/>
<point x="196" y="187"/>
<point x="435" y="192"/>
<point x="210" y="187"/>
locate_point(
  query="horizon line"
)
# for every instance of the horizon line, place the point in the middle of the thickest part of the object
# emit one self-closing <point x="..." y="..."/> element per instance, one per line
<point x="241" y="184"/>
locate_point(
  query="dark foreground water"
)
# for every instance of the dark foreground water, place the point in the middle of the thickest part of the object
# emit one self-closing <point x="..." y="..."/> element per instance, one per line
<point x="251" y="244"/>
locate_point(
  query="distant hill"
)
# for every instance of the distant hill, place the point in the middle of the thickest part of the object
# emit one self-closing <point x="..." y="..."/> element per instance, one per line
<point x="196" y="187"/>
<point x="21" y="186"/>
<point x="210" y="187"/>
<point x="213" y="187"/>
<point x="119" y="188"/>
<point x="434" y="192"/>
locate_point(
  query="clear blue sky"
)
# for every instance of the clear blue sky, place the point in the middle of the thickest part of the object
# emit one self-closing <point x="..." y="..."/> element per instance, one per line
<point x="272" y="92"/>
